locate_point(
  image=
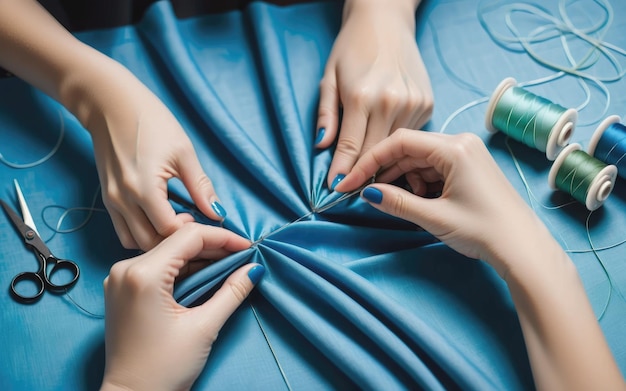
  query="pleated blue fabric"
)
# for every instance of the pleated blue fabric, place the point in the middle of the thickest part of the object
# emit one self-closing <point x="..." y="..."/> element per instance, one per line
<point x="352" y="298"/>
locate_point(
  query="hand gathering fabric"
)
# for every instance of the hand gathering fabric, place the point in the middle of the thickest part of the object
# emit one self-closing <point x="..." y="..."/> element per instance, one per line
<point x="351" y="298"/>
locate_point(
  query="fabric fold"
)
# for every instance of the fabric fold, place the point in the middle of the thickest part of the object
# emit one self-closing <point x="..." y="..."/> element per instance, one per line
<point x="160" y="27"/>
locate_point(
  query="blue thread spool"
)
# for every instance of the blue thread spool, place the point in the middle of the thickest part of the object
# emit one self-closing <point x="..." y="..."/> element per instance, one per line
<point x="530" y="119"/>
<point x="590" y="183"/>
<point x="608" y="144"/>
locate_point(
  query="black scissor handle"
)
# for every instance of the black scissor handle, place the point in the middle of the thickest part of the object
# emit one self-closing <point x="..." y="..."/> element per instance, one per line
<point x="27" y="276"/>
<point x="42" y="279"/>
<point x="61" y="264"/>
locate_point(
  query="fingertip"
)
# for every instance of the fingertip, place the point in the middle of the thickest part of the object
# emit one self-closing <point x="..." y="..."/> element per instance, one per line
<point x="372" y="195"/>
<point x="344" y="183"/>
<point x="342" y="164"/>
<point x="327" y="112"/>
<point x="218" y="209"/>
<point x="319" y="137"/>
<point x="325" y="135"/>
<point x="255" y="273"/>
<point x="201" y="189"/>
<point x="239" y="243"/>
<point x="336" y="181"/>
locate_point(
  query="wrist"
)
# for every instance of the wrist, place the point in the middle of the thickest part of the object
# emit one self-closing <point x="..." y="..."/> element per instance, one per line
<point x="540" y="264"/>
<point x="131" y="382"/>
<point x="112" y="386"/>
<point x="94" y="87"/>
<point x="402" y="9"/>
<point x="524" y="249"/>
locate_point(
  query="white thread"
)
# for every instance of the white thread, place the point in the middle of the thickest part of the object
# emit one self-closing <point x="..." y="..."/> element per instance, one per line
<point x="57" y="229"/>
<point x="562" y="28"/>
<point x="598" y="48"/>
<point x="80" y="307"/>
<point x="315" y="210"/>
<point x="43" y="159"/>
<point x="269" y="345"/>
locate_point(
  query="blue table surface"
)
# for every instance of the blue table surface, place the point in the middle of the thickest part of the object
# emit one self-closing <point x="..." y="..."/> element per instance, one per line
<point x="352" y="299"/>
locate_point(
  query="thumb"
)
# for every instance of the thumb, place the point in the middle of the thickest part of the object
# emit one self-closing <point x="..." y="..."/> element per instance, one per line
<point x="236" y="288"/>
<point x="400" y="203"/>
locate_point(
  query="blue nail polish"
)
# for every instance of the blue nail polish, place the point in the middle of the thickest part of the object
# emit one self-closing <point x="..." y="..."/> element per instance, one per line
<point x="336" y="181"/>
<point x="320" y="135"/>
<point x="219" y="209"/>
<point x="373" y="195"/>
<point x="256" y="273"/>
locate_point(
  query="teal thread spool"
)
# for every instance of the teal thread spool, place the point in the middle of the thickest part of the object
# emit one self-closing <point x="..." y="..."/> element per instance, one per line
<point x="587" y="179"/>
<point x="530" y="119"/>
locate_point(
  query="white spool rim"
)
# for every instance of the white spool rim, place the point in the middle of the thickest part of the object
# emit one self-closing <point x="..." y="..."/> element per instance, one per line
<point x="561" y="133"/>
<point x="597" y="134"/>
<point x="559" y="162"/>
<point x="495" y="98"/>
<point x="601" y="187"/>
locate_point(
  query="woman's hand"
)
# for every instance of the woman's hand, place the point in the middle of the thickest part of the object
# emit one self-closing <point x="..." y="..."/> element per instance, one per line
<point x="478" y="212"/>
<point x="139" y="145"/>
<point x="152" y="342"/>
<point x="375" y="75"/>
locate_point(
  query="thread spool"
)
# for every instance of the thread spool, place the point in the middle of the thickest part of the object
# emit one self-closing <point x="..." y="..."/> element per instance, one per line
<point x="608" y="144"/>
<point x="587" y="179"/>
<point x="530" y="119"/>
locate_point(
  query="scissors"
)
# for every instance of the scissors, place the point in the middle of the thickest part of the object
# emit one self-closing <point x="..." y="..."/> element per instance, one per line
<point x="41" y="278"/>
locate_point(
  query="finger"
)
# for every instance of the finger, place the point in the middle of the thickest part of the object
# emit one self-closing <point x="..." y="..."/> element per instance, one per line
<point x="195" y="240"/>
<point x="421" y="112"/>
<point x="349" y="144"/>
<point x="216" y="311"/>
<point x="161" y="215"/>
<point x="200" y="187"/>
<point x="122" y="230"/>
<point x="417" y="183"/>
<point x="403" y="120"/>
<point x="400" y="203"/>
<point x="378" y="128"/>
<point x="422" y="119"/>
<point x="404" y="143"/>
<point x="408" y="165"/>
<point x="141" y="228"/>
<point x="328" y="112"/>
<point x="186" y="217"/>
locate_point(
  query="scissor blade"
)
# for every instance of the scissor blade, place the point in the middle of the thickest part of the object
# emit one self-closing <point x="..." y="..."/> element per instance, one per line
<point x="16" y="219"/>
<point x="26" y="216"/>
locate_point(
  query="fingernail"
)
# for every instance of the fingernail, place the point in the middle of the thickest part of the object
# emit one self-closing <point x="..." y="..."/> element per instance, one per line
<point x="219" y="209"/>
<point x="373" y="195"/>
<point x="256" y="273"/>
<point x="320" y="135"/>
<point x="336" y="181"/>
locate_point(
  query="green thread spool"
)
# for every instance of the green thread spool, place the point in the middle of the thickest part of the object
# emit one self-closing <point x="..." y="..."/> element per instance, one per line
<point x="530" y="119"/>
<point x="587" y="179"/>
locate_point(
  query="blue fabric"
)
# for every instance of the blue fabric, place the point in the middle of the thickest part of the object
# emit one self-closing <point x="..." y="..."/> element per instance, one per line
<point x="352" y="299"/>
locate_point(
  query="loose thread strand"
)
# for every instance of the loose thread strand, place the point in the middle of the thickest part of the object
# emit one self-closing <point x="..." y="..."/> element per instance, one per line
<point x="269" y="345"/>
<point x="80" y="307"/>
<point x="44" y="159"/>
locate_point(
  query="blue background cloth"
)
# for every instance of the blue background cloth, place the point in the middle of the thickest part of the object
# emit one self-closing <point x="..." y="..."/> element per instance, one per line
<point x="352" y="299"/>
